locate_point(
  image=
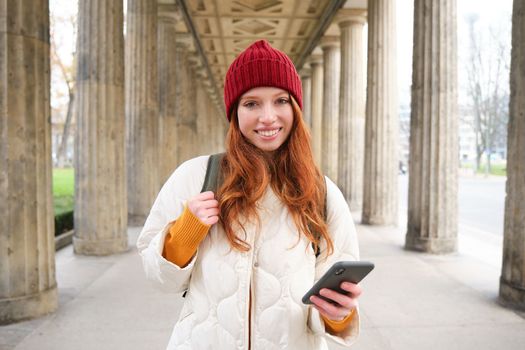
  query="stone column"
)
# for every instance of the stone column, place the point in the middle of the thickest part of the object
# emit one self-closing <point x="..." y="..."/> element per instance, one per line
<point x="181" y="101"/>
<point x="215" y="119"/>
<point x="316" y="64"/>
<point x="167" y="97"/>
<point x="512" y="282"/>
<point x="205" y="128"/>
<point x="100" y="170"/>
<point x="331" y="73"/>
<point x="186" y="105"/>
<point x="27" y="259"/>
<point x="194" y="116"/>
<point x="432" y="189"/>
<point x="204" y="137"/>
<point x="352" y="107"/>
<point x="221" y="123"/>
<point x="381" y="129"/>
<point x="306" y="80"/>
<point x="142" y="108"/>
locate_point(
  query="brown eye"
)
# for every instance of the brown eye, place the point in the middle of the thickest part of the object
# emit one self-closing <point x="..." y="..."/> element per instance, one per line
<point x="282" y="100"/>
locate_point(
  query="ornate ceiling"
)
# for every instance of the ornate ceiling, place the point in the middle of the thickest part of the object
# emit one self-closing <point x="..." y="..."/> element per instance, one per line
<point x="226" y="27"/>
<point x="220" y="29"/>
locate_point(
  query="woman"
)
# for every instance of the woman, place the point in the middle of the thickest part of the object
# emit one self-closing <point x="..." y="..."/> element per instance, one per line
<point x="247" y="254"/>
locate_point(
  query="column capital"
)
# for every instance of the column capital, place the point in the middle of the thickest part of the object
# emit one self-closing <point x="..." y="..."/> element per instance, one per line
<point x="169" y="11"/>
<point x="315" y="59"/>
<point x="166" y="20"/>
<point x="306" y="71"/>
<point x="194" y="60"/>
<point x="184" y="41"/>
<point x="330" y="41"/>
<point x="202" y="72"/>
<point x="346" y="17"/>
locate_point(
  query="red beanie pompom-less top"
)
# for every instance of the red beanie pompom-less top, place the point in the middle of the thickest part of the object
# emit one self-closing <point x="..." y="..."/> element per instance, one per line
<point x="261" y="65"/>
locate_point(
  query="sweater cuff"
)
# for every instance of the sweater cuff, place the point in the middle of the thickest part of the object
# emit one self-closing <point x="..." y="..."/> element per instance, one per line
<point x="183" y="238"/>
<point x="334" y="327"/>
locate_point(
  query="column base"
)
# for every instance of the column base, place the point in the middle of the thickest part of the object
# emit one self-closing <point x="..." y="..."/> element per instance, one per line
<point x="511" y="295"/>
<point x="431" y="245"/>
<point x="377" y="220"/>
<point x="100" y="247"/>
<point x="28" y="307"/>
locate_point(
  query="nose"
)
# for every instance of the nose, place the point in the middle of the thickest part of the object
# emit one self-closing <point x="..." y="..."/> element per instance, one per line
<point x="268" y="115"/>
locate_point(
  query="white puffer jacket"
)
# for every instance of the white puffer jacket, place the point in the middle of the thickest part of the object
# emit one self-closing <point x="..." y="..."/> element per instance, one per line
<point x="277" y="271"/>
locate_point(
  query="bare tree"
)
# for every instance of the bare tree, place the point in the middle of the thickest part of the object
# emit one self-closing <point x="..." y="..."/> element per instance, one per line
<point x="488" y="88"/>
<point x="67" y="72"/>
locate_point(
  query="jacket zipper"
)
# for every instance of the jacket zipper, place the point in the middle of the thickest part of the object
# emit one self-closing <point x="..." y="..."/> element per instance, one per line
<point x="248" y="328"/>
<point x="251" y="295"/>
<point x="250" y="315"/>
<point x="251" y="310"/>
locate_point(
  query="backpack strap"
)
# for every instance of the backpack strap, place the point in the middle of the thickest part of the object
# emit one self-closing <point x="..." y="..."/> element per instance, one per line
<point x="213" y="177"/>
<point x="325" y="215"/>
<point x="213" y="180"/>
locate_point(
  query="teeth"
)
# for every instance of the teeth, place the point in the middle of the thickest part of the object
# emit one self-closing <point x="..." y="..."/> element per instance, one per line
<point x="268" y="133"/>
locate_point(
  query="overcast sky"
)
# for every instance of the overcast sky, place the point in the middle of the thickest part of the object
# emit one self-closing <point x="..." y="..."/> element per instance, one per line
<point x="490" y="12"/>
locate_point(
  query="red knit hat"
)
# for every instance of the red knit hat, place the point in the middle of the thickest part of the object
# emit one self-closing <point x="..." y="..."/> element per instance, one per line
<point x="260" y="65"/>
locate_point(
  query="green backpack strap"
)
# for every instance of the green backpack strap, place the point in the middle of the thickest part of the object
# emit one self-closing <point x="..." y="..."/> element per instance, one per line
<point x="213" y="178"/>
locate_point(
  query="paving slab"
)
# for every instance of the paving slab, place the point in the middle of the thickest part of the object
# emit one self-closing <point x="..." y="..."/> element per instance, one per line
<point x="410" y="301"/>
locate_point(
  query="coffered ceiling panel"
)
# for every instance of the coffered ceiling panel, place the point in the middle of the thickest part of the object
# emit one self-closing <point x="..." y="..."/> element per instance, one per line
<point x="226" y="27"/>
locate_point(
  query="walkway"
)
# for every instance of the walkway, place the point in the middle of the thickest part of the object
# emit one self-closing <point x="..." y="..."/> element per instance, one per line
<point x="411" y="301"/>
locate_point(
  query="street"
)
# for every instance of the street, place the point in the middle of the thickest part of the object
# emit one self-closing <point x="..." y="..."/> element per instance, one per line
<point x="481" y="202"/>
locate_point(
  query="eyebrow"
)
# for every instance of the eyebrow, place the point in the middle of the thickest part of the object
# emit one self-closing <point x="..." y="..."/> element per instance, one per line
<point x="256" y="97"/>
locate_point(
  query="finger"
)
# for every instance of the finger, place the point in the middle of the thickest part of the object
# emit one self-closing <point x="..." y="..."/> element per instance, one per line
<point x="352" y="288"/>
<point x="331" y="317"/>
<point x="210" y="203"/>
<point x="322" y="312"/>
<point x="341" y="299"/>
<point x="210" y="212"/>
<point x="205" y="195"/>
<point x="328" y="310"/>
<point x="212" y="220"/>
<point x="334" y="312"/>
<point x="199" y="208"/>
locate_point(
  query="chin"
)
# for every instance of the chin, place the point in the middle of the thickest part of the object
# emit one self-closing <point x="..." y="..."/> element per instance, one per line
<point x="268" y="149"/>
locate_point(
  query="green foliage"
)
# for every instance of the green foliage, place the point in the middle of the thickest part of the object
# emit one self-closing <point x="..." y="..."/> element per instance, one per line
<point x="497" y="169"/>
<point x="63" y="204"/>
<point x="63" y="199"/>
<point x="64" y="222"/>
<point x="63" y="182"/>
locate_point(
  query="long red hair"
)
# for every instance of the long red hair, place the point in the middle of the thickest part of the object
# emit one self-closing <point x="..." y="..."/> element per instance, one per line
<point x="291" y="172"/>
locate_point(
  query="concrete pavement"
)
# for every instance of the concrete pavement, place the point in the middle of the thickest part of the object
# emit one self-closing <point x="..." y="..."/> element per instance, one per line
<point x="410" y="301"/>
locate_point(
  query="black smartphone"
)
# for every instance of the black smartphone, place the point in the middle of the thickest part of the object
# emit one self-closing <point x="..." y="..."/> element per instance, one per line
<point x="351" y="271"/>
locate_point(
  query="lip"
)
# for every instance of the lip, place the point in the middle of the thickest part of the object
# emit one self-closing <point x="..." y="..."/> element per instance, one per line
<point x="269" y="138"/>
<point x="268" y="129"/>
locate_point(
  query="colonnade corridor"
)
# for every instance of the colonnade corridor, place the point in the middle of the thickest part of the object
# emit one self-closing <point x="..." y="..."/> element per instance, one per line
<point x="149" y="96"/>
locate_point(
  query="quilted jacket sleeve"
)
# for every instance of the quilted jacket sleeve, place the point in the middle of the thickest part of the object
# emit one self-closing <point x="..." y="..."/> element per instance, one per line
<point x="184" y="183"/>
<point x="342" y="230"/>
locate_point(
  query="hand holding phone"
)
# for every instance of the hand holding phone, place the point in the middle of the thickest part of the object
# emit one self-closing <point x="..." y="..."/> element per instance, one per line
<point x="342" y="271"/>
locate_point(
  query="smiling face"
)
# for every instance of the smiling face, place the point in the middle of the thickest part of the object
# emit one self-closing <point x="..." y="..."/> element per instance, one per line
<point x="265" y="117"/>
